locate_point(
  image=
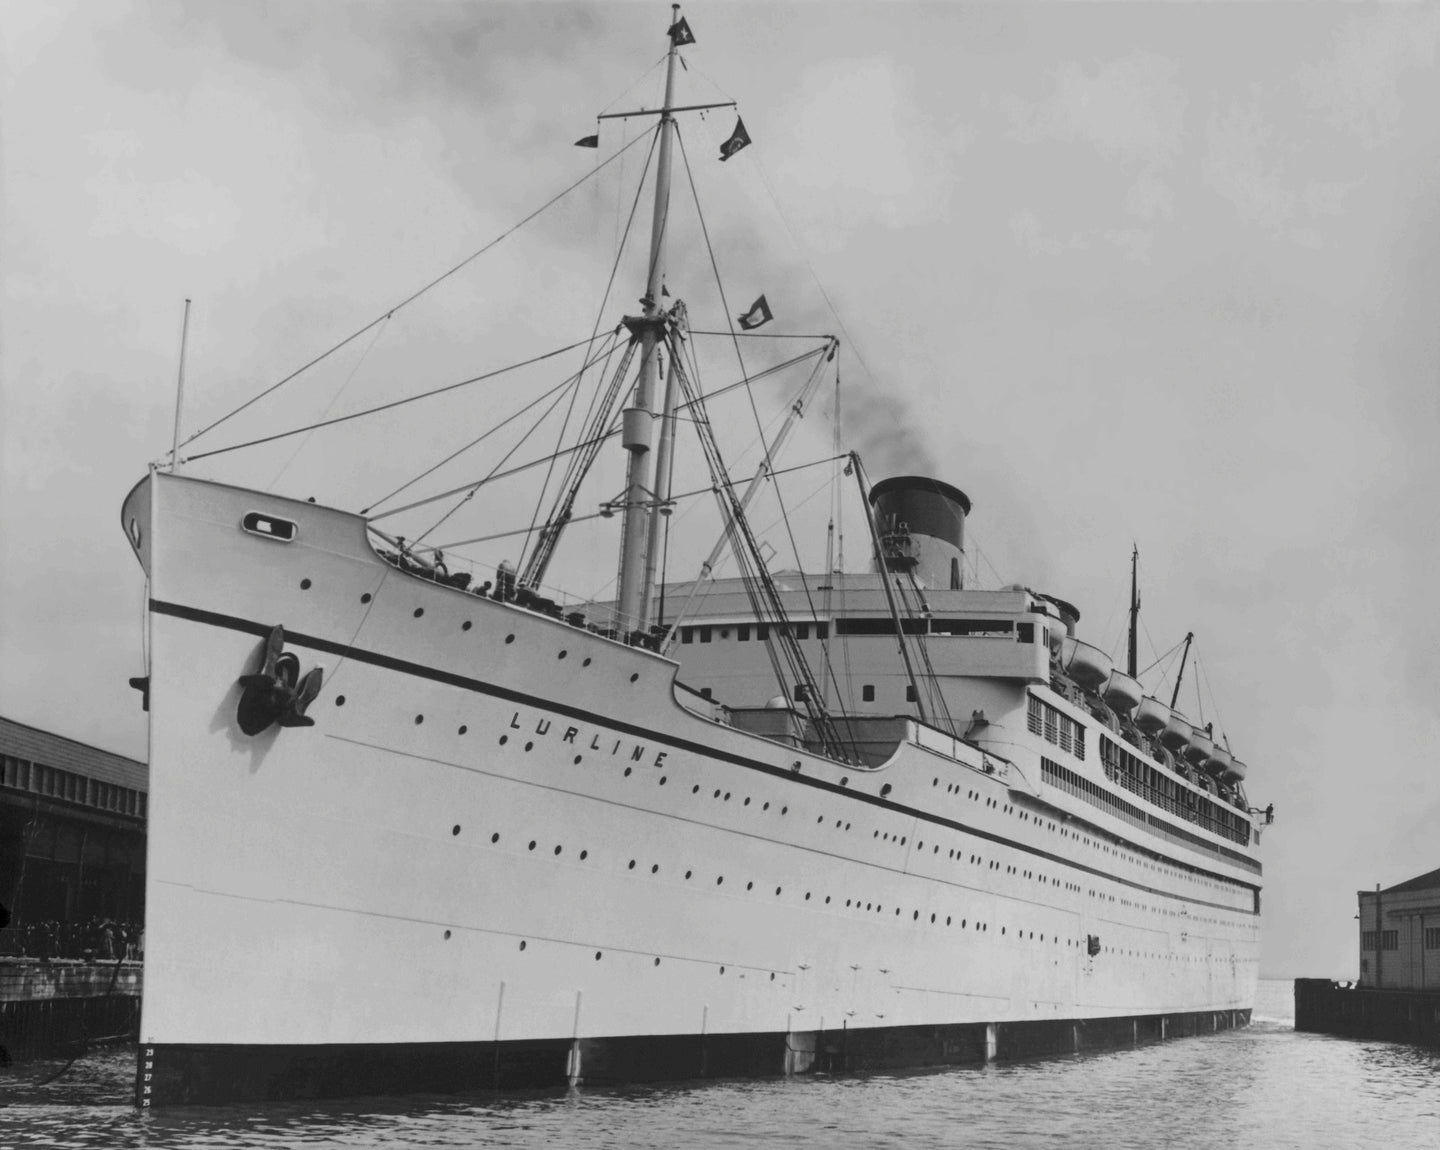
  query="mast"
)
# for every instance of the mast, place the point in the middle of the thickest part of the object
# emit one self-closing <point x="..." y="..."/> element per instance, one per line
<point x="1185" y="654"/>
<point x="1134" y="662"/>
<point x="180" y="390"/>
<point x="664" y="467"/>
<point x="638" y="419"/>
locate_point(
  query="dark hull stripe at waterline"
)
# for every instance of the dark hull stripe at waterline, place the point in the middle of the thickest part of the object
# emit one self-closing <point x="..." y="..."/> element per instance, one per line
<point x="494" y="690"/>
<point x="184" y="1074"/>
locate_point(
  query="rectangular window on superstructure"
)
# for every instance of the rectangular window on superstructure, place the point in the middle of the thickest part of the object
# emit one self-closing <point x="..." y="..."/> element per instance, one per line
<point x="1432" y="938"/>
<point x="742" y="632"/>
<point x="1026" y="632"/>
<point x="1389" y="940"/>
<point x="704" y="634"/>
<point x="822" y="630"/>
<point x="802" y="630"/>
<point x="687" y="635"/>
<point x="867" y="693"/>
<point x="1033" y="720"/>
<point x="762" y="631"/>
<point x="910" y="692"/>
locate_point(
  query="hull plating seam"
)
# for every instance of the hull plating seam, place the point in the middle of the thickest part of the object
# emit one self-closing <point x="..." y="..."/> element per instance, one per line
<point x="401" y="666"/>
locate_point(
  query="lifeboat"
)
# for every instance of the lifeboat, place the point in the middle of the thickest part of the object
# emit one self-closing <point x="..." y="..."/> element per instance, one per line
<point x="1235" y="772"/>
<point x="1178" y="732"/>
<point x="1219" y="761"/>
<point x="1087" y="665"/>
<point x="1152" y="715"/>
<point x="1201" y="747"/>
<point x="1122" y="692"/>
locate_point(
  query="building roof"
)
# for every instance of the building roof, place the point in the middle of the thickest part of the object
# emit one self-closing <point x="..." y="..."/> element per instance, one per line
<point x="37" y="746"/>
<point x="1419" y="882"/>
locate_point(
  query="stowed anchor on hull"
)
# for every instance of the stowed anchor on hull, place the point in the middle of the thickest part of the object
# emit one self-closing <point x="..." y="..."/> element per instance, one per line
<point x="276" y="692"/>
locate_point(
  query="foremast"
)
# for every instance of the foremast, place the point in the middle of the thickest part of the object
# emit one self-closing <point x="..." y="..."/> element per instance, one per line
<point x="639" y="418"/>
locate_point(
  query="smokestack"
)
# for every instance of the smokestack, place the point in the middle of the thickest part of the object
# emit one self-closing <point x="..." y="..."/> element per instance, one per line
<point x="922" y="529"/>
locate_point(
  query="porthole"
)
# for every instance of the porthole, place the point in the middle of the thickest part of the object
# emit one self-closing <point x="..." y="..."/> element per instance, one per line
<point x="766" y="807"/>
<point x="783" y="810"/>
<point x="722" y="970"/>
<point x="777" y="890"/>
<point x="522" y="944"/>
<point x="719" y="879"/>
<point x="627" y="771"/>
<point x="688" y="873"/>
<point x="597" y="956"/>
<point x="339" y="700"/>
<point x="305" y="584"/>
<point x="504" y="739"/>
<point x="495" y="838"/>
<point x="419" y="611"/>
<point x="749" y="886"/>
<point x="558" y="850"/>
<point x="632" y="864"/>
<point x="562" y="654"/>
<point x="633" y="678"/>
<point x="447" y="934"/>
<point x="585" y="662"/>
<point x="578" y="758"/>
<point x="532" y="844"/>
<point x="772" y="976"/>
<point x="509" y="638"/>
<point x="419" y="719"/>
<point x="365" y="598"/>
<point x="465" y="626"/>
<point x="455" y="830"/>
<point x="463" y="729"/>
<point x="654" y="868"/>
<point x="662" y="780"/>
<point x="657" y="962"/>
<point x="529" y="746"/>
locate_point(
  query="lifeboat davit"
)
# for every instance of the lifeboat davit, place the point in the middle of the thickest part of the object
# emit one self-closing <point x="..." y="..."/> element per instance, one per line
<point x="1086" y="664"/>
<point x="1235" y="772"/>
<point x="1201" y="747"/>
<point x="1152" y="715"/>
<point x="1178" y="732"/>
<point x="1122" y="692"/>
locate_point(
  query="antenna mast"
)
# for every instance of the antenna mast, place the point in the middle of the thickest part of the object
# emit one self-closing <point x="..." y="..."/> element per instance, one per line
<point x="1134" y="661"/>
<point x="639" y="418"/>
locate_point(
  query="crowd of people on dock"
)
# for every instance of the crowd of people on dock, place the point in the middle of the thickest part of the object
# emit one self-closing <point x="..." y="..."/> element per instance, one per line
<point x="97" y="940"/>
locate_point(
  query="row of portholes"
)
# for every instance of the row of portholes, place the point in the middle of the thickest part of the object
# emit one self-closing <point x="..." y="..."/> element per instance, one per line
<point x="839" y="823"/>
<point x="726" y="795"/>
<point x="849" y="903"/>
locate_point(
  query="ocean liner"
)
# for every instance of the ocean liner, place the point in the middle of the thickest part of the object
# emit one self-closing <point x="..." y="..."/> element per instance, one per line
<point x="411" y="830"/>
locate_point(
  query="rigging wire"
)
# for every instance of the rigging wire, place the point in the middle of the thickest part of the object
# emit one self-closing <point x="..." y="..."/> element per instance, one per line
<point x="334" y="399"/>
<point x="599" y="315"/>
<point x="388" y="406"/>
<point x="749" y="390"/>
<point x="469" y="495"/>
<point x="413" y="296"/>
<point x="574" y="379"/>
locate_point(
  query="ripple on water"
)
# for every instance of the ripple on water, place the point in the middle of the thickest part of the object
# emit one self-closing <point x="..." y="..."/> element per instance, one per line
<point x="1265" y="1086"/>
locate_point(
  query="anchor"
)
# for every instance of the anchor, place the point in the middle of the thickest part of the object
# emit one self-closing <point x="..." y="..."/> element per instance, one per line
<point x="276" y="692"/>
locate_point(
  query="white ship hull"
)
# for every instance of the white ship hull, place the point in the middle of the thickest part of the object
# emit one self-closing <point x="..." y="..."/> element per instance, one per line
<point x="506" y="853"/>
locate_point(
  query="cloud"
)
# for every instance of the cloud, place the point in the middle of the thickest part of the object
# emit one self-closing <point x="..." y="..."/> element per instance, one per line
<point x="1131" y="110"/>
<point x="1241" y="165"/>
<point x="1360" y="87"/>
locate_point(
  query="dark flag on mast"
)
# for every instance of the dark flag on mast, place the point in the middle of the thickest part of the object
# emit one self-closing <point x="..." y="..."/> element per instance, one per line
<point x="758" y="315"/>
<point x="588" y="141"/>
<point x="738" y="139"/>
<point x="680" y="33"/>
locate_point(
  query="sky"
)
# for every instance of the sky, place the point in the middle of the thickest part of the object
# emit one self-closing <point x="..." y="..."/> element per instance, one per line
<point x="1161" y="275"/>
